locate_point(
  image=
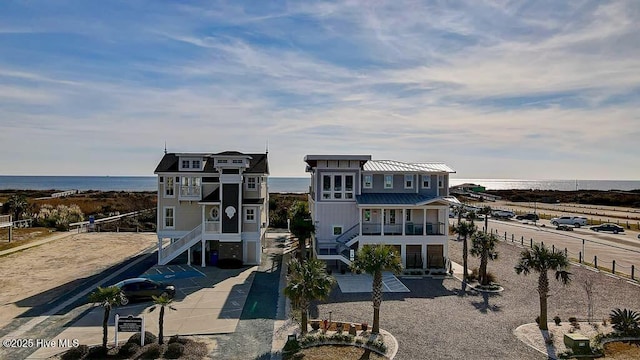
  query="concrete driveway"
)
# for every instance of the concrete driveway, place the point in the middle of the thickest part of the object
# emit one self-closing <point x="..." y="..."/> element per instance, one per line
<point x="208" y="301"/>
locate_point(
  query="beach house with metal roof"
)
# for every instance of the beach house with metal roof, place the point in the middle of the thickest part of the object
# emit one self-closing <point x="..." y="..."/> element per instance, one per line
<point x="212" y="206"/>
<point x="355" y="200"/>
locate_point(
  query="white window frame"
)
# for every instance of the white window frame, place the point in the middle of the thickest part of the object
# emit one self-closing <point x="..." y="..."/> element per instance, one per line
<point x="366" y="216"/>
<point x="237" y="161"/>
<point x="428" y="178"/>
<point x="341" y="193"/>
<point x="250" y="215"/>
<point x="254" y="183"/>
<point x="386" y="183"/>
<point x="222" y="161"/>
<point x="408" y="179"/>
<point x="334" y="227"/>
<point x="196" y="164"/>
<point x="407" y="215"/>
<point x="169" y="184"/>
<point x="185" y="162"/>
<point x="367" y="184"/>
<point x="440" y="181"/>
<point x="172" y="217"/>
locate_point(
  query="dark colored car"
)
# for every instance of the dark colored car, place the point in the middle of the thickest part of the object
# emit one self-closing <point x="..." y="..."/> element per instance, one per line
<point x="142" y="288"/>
<point x="530" y="217"/>
<point x="565" y="227"/>
<point x="608" y="227"/>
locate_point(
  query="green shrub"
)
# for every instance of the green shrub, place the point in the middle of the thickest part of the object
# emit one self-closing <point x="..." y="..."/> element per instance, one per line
<point x="565" y="354"/>
<point x="129" y="349"/>
<point x="624" y="320"/>
<point x="151" y="351"/>
<point x="339" y="327"/>
<point x="179" y="340"/>
<point x="149" y="338"/>
<point x="97" y="353"/>
<point x="557" y="320"/>
<point x="75" y="353"/>
<point x="174" y="350"/>
<point x="292" y="346"/>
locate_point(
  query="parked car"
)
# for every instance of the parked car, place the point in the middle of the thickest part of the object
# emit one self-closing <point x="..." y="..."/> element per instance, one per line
<point x="143" y="288"/>
<point x="530" y="217"/>
<point x="608" y="227"/>
<point x="503" y="214"/>
<point x="565" y="227"/>
<point x="576" y="221"/>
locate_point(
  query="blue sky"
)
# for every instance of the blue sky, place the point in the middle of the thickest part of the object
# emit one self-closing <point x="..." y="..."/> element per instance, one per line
<point x="496" y="89"/>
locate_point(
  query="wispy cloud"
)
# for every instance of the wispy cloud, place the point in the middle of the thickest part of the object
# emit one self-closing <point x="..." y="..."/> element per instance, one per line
<point x="547" y="87"/>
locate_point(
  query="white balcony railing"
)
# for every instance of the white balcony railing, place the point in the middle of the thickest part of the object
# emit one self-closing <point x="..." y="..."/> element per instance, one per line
<point x="212" y="227"/>
<point x="193" y="192"/>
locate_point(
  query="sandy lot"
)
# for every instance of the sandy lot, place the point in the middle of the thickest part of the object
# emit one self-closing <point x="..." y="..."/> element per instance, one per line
<point x="38" y="275"/>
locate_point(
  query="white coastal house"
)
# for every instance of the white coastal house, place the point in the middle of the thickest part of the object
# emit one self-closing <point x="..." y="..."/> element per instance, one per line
<point x="356" y="201"/>
<point x="213" y="206"/>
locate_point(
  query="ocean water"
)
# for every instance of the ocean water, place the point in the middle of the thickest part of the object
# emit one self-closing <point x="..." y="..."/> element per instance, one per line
<point x="285" y="184"/>
<point x="124" y="183"/>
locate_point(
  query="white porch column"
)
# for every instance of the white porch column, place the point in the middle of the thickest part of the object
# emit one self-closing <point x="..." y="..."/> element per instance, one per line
<point x="203" y="254"/>
<point x="424" y="222"/>
<point x="382" y="217"/>
<point x="404" y="219"/>
<point x="423" y="249"/>
<point x="159" y="249"/>
<point x="403" y="255"/>
<point x="360" y="214"/>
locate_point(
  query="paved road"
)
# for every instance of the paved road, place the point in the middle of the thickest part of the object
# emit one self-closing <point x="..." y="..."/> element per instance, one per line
<point x="624" y="248"/>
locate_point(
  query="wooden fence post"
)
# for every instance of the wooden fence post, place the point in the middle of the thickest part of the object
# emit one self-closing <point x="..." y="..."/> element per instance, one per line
<point x="613" y="268"/>
<point x="595" y="261"/>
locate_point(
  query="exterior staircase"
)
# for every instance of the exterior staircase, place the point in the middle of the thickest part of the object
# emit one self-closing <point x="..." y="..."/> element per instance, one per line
<point x="342" y="246"/>
<point x="181" y="245"/>
<point x="350" y="236"/>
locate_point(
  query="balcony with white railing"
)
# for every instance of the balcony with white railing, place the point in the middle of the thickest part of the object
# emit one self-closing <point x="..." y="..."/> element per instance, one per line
<point x="374" y="229"/>
<point x="212" y="227"/>
<point x="188" y="192"/>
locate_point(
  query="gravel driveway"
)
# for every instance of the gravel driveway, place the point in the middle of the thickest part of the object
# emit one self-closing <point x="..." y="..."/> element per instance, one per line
<point x="434" y="322"/>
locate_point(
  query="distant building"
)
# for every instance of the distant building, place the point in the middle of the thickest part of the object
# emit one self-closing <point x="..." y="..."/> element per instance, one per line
<point x="469" y="187"/>
<point x="212" y="206"/>
<point x="356" y="201"/>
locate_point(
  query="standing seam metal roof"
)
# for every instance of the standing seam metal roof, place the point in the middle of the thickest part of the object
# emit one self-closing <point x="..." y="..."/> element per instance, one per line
<point x="399" y="166"/>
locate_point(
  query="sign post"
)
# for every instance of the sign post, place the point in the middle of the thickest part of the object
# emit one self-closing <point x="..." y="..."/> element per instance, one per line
<point x="130" y="324"/>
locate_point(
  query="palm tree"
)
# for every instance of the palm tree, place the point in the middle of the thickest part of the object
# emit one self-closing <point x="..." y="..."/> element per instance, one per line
<point x="374" y="259"/>
<point x="17" y="205"/>
<point x="486" y="211"/>
<point x="107" y="298"/>
<point x="307" y="281"/>
<point x="162" y="301"/>
<point x="301" y="226"/>
<point x="483" y="245"/>
<point x="541" y="260"/>
<point x="465" y="229"/>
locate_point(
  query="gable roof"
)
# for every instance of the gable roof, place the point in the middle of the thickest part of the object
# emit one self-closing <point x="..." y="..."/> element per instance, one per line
<point x="258" y="163"/>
